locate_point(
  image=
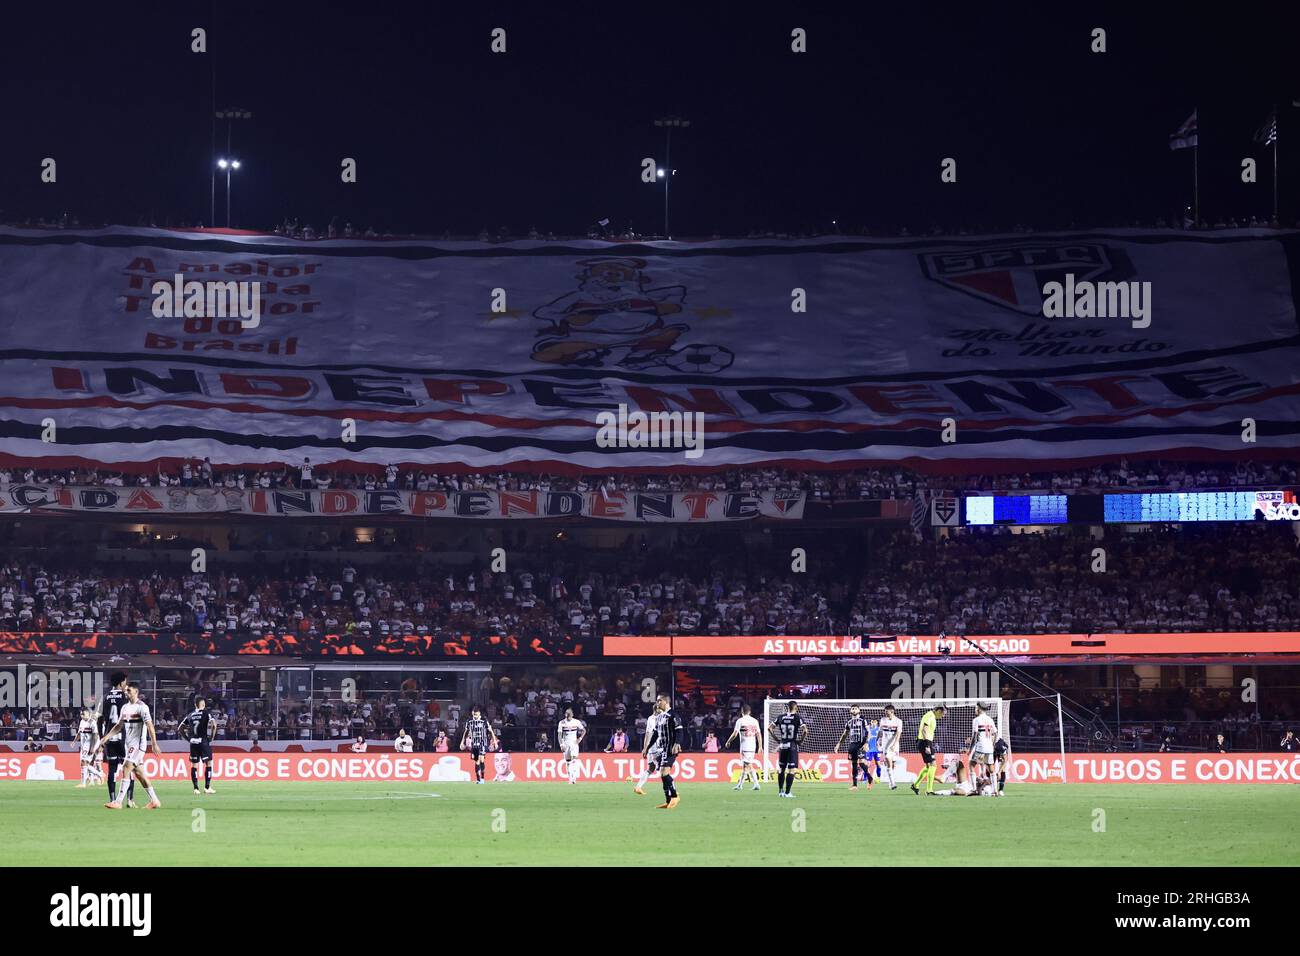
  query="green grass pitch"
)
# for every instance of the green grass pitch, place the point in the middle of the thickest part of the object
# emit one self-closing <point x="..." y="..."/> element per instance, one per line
<point x="431" y="824"/>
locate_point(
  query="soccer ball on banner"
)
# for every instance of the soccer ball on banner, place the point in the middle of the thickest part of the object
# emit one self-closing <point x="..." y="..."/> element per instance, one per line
<point x="705" y="359"/>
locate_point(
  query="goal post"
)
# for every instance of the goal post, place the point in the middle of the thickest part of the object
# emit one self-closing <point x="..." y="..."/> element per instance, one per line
<point x="825" y="720"/>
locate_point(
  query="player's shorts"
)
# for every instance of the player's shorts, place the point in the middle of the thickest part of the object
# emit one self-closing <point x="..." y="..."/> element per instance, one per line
<point x="855" y="753"/>
<point x="201" y="751"/>
<point x="569" y="753"/>
<point x="115" y="750"/>
<point x="748" y="755"/>
<point x="476" y="752"/>
<point x="86" y="753"/>
<point x="926" y="749"/>
<point x="657" y="760"/>
<point x="787" y="757"/>
<point x="135" y="753"/>
<point x="872" y="755"/>
<point x="982" y="756"/>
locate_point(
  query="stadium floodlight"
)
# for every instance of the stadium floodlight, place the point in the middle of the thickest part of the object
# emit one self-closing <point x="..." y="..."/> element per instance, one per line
<point x="229" y="114"/>
<point x="229" y="165"/>
<point x="659" y="173"/>
<point x="668" y="124"/>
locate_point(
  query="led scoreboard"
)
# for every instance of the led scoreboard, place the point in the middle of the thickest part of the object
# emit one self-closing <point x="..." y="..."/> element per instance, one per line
<point x="1131" y="508"/>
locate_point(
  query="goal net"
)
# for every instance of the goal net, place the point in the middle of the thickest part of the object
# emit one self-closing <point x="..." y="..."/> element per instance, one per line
<point x="825" y="720"/>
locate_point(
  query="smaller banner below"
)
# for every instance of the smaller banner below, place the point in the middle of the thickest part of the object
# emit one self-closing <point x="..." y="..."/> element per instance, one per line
<point x="440" y="769"/>
<point x="920" y="645"/>
<point x="640" y="506"/>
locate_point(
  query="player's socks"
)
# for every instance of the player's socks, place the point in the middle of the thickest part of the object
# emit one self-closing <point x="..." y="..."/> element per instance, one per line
<point x="207" y="776"/>
<point x="152" y="796"/>
<point x="1002" y="782"/>
<point x="929" y="787"/>
<point x="780" y="781"/>
<point x="855" y="774"/>
<point x="112" y="781"/>
<point x="194" y="776"/>
<point x="667" y="781"/>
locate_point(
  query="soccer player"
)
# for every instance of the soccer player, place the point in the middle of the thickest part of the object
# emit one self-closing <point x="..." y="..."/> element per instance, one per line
<point x="789" y="731"/>
<point x="966" y="786"/>
<point x="750" y="733"/>
<point x="891" y="737"/>
<point x="478" y="734"/>
<point x="135" y="721"/>
<point x="925" y="746"/>
<point x="88" y="735"/>
<point x="110" y="708"/>
<point x="663" y="742"/>
<point x="983" y="732"/>
<point x="872" y="753"/>
<point x="570" y="734"/>
<point x="200" y="728"/>
<point x="647" y="768"/>
<point x="1002" y="754"/>
<point x="855" y="731"/>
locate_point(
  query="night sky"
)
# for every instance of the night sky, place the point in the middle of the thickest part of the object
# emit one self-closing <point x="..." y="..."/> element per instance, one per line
<point x="449" y="136"/>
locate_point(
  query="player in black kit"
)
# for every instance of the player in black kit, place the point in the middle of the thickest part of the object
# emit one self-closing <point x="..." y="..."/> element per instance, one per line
<point x="788" y="731"/>
<point x="110" y="706"/>
<point x="663" y="743"/>
<point x="199" y="727"/>
<point x="1002" y="757"/>
<point x="478" y="732"/>
<point x="855" y="731"/>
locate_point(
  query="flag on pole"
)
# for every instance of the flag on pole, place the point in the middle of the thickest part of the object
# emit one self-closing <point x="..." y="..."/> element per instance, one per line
<point x="1185" y="136"/>
<point x="1267" y="133"/>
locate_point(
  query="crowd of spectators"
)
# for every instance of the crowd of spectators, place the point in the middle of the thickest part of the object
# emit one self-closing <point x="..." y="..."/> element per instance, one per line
<point x="1234" y="577"/>
<point x="827" y="486"/>
<point x="566" y="602"/>
<point x="1231" y="577"/>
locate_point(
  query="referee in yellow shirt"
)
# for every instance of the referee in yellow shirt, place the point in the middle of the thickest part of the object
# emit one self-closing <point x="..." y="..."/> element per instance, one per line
<point x="925" y="745"/>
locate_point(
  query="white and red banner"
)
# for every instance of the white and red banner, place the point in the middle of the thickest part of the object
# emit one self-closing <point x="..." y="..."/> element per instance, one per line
<point x="482" y="355"/>
<point x="645" y="506"/>
<point x="437" y="768"/>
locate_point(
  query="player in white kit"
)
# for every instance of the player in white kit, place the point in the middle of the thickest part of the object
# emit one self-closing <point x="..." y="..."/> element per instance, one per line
<point x="984" y="732"/>
<point x="88" y="736"/>
<point x="750" y="733"/>
<point x="571" y="732"/>
<point x="891" y="736"/>
<point x="136" y="724"/>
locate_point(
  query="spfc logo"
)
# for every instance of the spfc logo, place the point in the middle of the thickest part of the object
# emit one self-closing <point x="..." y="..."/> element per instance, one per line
<point x="783" y="501"/>
<point x="1013" y="276"/>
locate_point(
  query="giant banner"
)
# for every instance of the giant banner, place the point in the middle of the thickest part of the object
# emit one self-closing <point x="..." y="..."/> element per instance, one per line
<point x="124" y="346"/>
<point x="645" y="506"/>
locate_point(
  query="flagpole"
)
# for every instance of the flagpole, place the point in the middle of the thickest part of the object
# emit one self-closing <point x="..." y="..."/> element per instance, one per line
<point x="1196" y="173"/>
<point x="1275" y="140"/>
